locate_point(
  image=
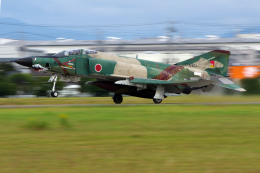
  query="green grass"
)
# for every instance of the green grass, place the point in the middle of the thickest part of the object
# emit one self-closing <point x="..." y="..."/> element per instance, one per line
<point x="162" y="138"/>
<point x="127" y="100"/>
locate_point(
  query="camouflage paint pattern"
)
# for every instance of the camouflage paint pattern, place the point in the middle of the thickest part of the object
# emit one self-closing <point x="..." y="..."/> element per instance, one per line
<point x="113" y="67"/>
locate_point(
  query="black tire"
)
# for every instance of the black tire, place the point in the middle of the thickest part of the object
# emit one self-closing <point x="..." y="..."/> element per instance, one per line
<point x="117" y="98"/>
<point x="157" y="101"/>
<point x="54" y="94"/>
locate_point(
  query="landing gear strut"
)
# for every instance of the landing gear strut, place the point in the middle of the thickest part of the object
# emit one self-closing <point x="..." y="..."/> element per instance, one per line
<point x="117" y="98"/>
<point x="157" y="101"/>
<point x="159" y="94"/>
<point x="53" y="79"/>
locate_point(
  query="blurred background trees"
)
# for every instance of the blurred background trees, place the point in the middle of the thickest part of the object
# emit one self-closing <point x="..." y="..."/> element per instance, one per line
<point x="251" y="85"/>
<point x="14" y="83"/>
<point x="6" y="87"/>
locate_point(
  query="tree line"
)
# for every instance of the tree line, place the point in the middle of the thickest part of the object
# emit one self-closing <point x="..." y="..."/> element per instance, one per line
<point x="14" y="83"/>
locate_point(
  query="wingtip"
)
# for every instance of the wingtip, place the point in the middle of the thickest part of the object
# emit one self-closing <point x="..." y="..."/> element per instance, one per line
<point x="241" y="89"/>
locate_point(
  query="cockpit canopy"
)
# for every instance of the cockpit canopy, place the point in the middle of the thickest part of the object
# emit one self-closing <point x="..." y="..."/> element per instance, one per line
<point x="75" y="52"/>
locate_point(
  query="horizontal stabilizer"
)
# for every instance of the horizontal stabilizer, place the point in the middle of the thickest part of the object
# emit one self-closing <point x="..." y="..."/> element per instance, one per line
<point x="227" y="83"/>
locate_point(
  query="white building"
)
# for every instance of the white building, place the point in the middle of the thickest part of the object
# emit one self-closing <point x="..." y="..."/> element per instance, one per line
<point x="244" y="51"/>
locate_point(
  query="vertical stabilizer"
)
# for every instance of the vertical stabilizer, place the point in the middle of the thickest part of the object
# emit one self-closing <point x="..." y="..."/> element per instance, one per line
<point x="214" y="62"/>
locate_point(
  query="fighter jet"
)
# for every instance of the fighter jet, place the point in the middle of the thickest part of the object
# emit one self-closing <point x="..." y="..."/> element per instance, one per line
<point x="136" y="77"/>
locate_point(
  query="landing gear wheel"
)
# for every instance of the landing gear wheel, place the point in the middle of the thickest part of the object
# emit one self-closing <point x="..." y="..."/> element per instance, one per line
<point x="54" y="94"/>
<point x="117" y="98"/>
<point x="53" y="79"/>
<point x="157" y="101"/>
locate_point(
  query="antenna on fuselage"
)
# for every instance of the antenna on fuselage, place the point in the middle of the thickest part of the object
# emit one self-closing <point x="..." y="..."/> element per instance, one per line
<point x="136" y="56"/>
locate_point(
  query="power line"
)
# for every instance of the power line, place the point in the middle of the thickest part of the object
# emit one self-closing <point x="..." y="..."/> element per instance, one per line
<point x="83" y="26"/>
<point x="131" y="30"/>
<point x="133" y="25"/>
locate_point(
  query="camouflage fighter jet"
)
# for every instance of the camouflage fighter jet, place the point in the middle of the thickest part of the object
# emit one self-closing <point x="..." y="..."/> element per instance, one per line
<point x="136" y="77"/>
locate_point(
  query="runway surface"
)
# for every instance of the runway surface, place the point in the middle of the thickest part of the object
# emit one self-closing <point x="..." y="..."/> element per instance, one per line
<point x="89" y="105"/>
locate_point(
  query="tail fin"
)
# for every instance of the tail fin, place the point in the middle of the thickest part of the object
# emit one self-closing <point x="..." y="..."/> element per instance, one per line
<point x="214" y="62"/>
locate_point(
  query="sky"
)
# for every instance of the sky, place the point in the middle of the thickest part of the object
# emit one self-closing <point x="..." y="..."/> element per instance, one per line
<point x="153" y="17"/>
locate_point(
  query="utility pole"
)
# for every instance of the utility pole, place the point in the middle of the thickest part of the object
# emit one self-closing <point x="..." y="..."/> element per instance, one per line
<point x="21" y="37"/>
<point x="170" y="29"/>
<point x="236" y="32"/>
<point x="99" y="37"/>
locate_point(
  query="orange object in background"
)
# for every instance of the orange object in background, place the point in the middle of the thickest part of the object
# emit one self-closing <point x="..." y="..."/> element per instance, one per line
<point x="241" y="72"/>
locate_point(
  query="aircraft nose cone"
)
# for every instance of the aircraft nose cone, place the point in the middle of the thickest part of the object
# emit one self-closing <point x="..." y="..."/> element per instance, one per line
<point x="24" y="61"/>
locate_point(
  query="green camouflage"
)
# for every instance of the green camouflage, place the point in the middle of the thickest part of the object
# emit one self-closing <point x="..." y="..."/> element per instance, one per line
<point x="141" y="78"/>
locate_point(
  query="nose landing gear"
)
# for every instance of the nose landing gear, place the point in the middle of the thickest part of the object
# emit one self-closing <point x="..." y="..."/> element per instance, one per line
<point x="54" y="94"/>
<point x="53" y="79"/>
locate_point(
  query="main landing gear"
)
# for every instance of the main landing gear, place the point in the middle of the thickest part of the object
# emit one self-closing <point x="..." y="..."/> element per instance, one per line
<point x="117" y="98"/>
<point x="159" y="95"/>
<point x="53" y="79"/>
<point x="157" y="101"/>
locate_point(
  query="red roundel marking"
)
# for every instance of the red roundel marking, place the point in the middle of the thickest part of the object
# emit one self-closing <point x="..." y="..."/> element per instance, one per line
<point x="98" y="67"/>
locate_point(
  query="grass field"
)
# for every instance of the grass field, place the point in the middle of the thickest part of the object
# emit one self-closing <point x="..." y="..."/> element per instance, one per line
<point x="127" y="100"/>
<point x="143" y="138"/>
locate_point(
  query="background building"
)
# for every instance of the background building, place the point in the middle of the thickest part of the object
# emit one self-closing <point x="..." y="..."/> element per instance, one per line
<point x="244" y="51"/>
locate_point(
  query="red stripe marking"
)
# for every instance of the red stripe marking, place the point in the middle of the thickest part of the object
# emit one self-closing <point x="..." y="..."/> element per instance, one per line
<point x="168" y="72"/>
<point x="60" y="64"/>
<point x="66" y="64"/>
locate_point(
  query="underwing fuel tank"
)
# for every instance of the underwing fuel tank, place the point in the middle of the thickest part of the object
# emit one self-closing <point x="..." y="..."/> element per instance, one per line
<point x="124" y="89"/>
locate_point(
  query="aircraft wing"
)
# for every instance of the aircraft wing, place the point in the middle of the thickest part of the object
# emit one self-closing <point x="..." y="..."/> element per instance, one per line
<point x="219" y="81"/>
<point x="118" y="78"/>
<point x="160" y="82"/>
